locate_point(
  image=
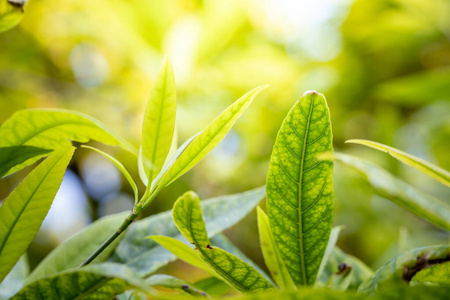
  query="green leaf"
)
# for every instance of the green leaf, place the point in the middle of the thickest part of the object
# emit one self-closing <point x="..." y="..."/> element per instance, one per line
<point x="101" y="281"/>
<point x="122" y="169"/>
<point x="23" y="211"/>
<point x="182" y="251"/>
<point x="54" y="129"/>
<point x="15" y="279"/>
<point x="338" y="258"/>
<point x="402" y="268"/>
<point x="213" y="286"/>
<point x="159" y="122"/>
<point x="328" y="251"/>
<point x="13" y="156"/>
<point x="73" y="251"/>
<point x="436" y="274"/>
<point x="206" y="140"/>
<point x="11" y="13"/>
<point x="423" y="166"/>
<point x="272" y="256"/>
<point x="187" y="215"/>
<point x="300" y="187"/>
<point x="341" y="280"/>
<point x="390" y="187"/>
<point x="174" y="283"/>
<point x="146" y="256"/>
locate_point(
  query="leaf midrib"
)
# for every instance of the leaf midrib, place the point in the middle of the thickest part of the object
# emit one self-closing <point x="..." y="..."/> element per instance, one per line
<point x="2" y="247"/>
<point x="300" y="216"/>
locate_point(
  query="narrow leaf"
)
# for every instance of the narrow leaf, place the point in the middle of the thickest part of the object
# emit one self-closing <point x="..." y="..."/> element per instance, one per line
<point x="122" y="169"/>
<point x="390" y="187"/>
<point x="15" y="279"/>
<point x="213" y="286"/>
<point x="173" y="283"/>
<point x="423" y="166"/>
<point x="54" y="129"/>
<point x="272" y="256"/>
<point x="13" y="156"/>
<point x="436" y="274"/>
<point x="182" y="251"/>
<point x="11" y="13"/>
<point x="23" y="211"/>
<point x="341" y="280"/>
<point x="159" y="122"/>
<point x="73" y="251"/>
<point x="402" y="268"/>
<point x="300" y="188"/>
<point x="101" y="281"/>
<point x="188" y="217"/>
<point x="328" y="251"/>
<point x="206" y="140"/>
<point x="146" y="256"/>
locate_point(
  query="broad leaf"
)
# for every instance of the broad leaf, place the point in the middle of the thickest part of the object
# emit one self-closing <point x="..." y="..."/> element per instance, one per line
<point x="54" y="129"/>
<point x="23" y="211"/>
<point x="15" y="279"/>
<point x="11" y="13"/>
<point x="159" y="122"/>
<point x="73" y="251"/>
<point x="300" y="188"/>
<point x="272" y="256"/>
<point x="187" y="215"/>
<point x="402" y="268"/>
<point x="399" y="192"/>
<point x="334" y="264"/>
<point x="423" y="166"/>
<point x="328" y="251"/>
<point x="122" y="169"/>
<point x="182" y="251"/>
<point x="173" y="283"/>
<point x="13" y="156"/>
<point x="436" y="274"/>
<point x="102" y="281"/>
<point x="146" y="256"/>
<point x="206" y="140"/>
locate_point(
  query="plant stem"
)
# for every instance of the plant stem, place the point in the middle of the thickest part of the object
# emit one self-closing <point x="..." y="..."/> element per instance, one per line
<point x="127" y="222"/>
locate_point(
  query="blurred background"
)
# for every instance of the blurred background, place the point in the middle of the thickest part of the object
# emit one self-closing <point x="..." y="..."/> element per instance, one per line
<point x="383" y="65"/>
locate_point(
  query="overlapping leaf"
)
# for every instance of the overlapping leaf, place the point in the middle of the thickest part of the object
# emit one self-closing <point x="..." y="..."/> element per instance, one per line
<point x="11" y="13"/>
<point x="16" y="155"/>
<point x="23" y="211"/>
<point x="174" y="283"/>
<point x="187" y="215"/>
<point x="423" y="166"/>
<point x="15" y="279"/>
<point x="436" y="274"/>
<point x="399" y="192"/>
<point x="53" y="129"/>
<point x="300" y="188"/>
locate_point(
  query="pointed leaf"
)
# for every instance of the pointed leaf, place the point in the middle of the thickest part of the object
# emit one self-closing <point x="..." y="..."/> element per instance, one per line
<point x="330" y="246"/>
<point x="173" y="283"/>
<point x="341" y="280"/>
<point x="213" y="286"/>
<point x="300" y="188"/>
<point x="436" y="274"/>
<point x="208" y="138"/>
<point x="11" y="13"/>
<point x="15" y="279"/>
<point x="402" y="268"/>
<point x="73" y="251"/>
<point x="423" y="166"/>
<point x="272" y="256"/>
<point x="54" y="129"/>
<point x="159" y="122"/>
<point x="146" y="256"/>
<point x="399" y="192"/>
<point x="23" y="211"/>
<point x="101" y="281"/>
<point x="187" y="215"/>
<point x="122" y="169"/>
<point x="13" y="156"/>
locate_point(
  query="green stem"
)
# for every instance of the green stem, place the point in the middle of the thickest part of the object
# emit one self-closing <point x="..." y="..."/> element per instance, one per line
<point x="127" y="222"/>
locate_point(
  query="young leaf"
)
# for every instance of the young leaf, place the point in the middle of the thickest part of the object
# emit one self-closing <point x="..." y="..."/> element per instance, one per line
<point x="73" y="251"/>
<point x="328" y="251"/>
<point x="122" y="169"/>
<point x="187" y="215"/>
<point x="101" y="281"/>
<point x="174" y="283"/>
<point x="159" y="122"/>
<point x="182" y="251"/>
<point x="206" y="140"/>
<point x="272" y="257"/>
<point x="300" y="188"/>
<point x="13" y="156"/>
<point x="54" y="129"/>
<point x="11" y="13"/>
<point x="436" y="274"/>
<point x="423" y="166"/>
<point x="23" y="211"/>
<point x="399" y="192"/>
<point x="15" y="279"/>
<point x="146" y="256"/>
<point x="402" y="268"/>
